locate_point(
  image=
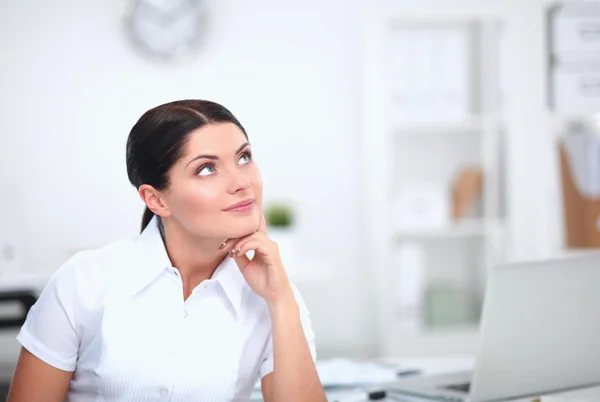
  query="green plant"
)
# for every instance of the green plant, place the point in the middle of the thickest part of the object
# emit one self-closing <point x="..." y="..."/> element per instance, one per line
<point x="279" y="214"/>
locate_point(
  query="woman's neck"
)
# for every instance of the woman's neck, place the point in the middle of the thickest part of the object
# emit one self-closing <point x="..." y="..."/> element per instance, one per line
<point x="195" y="259"/>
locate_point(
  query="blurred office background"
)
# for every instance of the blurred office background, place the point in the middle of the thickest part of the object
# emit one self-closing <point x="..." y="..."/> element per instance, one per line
<point x="416" y="142"/>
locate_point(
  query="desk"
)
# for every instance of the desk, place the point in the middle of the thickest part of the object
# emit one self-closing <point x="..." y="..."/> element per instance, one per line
<point x="10" y="309"/>
<point x="431" y="366"/>
<point x="587" y="395"/>
<point x="427" y="366"/>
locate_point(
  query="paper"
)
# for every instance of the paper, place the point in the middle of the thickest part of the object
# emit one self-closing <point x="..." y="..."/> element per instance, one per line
<point x="583" y="158"/>
<point x="428" y="73"/>
<point x="422" y="206"/>
<point x="409" y="266"/>
<point x="341" y="372"/>
<point x="347" y="395"/>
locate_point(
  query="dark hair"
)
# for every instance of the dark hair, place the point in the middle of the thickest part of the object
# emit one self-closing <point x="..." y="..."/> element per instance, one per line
<point x="160" y="136"/>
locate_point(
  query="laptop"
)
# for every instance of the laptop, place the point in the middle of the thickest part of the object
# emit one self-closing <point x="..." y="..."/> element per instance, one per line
<point x="539" y="334"/>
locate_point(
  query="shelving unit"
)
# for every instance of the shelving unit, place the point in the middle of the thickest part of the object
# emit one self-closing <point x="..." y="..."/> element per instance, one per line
<point x="463" y="229"/>
<point x="573" y="90"/>
<point x="431" y="107"/>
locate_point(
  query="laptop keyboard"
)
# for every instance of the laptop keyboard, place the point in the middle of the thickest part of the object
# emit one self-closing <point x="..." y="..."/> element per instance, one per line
<point x="460" y="387"/>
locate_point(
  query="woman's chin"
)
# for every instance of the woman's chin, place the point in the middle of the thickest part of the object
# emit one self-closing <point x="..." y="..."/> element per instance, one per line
<point x="241" y="230"/>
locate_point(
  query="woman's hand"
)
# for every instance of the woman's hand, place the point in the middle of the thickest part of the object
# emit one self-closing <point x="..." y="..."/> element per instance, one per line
<point x="264" y="273"/>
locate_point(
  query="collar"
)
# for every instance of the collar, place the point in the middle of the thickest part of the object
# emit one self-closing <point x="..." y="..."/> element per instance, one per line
<point x="229" y="276"/>
<point x="152" y="259"/>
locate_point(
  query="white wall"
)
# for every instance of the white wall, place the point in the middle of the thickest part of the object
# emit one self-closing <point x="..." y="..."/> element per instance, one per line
<point x="71" y="88"/>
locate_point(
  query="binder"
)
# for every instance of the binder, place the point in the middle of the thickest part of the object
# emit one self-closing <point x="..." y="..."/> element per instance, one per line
<point x="581" y="207"/>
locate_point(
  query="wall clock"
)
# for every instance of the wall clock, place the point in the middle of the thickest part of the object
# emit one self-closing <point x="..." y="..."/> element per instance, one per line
<point x="166" y="30"/>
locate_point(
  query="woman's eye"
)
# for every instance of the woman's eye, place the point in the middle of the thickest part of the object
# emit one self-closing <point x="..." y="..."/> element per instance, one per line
<point x="245" y="158"/>
<point x="206" y="170"/>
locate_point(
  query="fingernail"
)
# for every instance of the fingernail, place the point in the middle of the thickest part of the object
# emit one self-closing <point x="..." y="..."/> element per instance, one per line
<point x="222" y="246"/>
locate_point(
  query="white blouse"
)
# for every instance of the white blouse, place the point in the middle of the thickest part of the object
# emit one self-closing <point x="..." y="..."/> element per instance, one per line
<point x="116" y="317"/>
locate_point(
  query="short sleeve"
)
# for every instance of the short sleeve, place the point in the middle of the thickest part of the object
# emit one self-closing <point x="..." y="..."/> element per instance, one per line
<point x="266" y="366"/>
<point x="49" y="331"/>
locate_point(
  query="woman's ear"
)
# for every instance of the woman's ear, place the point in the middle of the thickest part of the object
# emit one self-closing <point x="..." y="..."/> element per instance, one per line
<point x="154" y="200"/>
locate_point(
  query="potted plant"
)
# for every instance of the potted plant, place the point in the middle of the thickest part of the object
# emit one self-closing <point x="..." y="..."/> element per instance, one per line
<point x="279" y="217"/>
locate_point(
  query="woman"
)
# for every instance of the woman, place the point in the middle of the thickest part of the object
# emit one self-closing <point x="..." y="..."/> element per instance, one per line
<point x="178" y="313"/>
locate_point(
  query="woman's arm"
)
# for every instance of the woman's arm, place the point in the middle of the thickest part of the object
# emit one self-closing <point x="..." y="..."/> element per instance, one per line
<point x="49" y="340"/>
<point x="294" y="377"/>
<point x="36" y="381"/>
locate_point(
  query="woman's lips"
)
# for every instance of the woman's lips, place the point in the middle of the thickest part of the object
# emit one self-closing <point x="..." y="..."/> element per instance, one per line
<point x="241" y="207"/>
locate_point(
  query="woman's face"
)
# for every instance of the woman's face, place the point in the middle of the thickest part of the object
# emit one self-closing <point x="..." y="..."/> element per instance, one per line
<point x="215" y="189"/>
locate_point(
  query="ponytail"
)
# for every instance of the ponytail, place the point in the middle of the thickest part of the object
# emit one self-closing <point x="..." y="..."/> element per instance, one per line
<point x="148" y="215"/>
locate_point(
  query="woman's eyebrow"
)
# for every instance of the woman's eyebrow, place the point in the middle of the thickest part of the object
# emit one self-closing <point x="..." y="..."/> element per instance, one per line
<point x="215" y="157"/>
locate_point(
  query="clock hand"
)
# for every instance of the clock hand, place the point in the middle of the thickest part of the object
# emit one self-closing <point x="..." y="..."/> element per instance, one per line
<point x="154" y="11"/>
<point x="178" y="11"/>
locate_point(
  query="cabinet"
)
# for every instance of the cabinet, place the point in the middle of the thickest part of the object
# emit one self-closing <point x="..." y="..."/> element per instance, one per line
<point x="574" y="57"/>
<point x="431" y="109"/>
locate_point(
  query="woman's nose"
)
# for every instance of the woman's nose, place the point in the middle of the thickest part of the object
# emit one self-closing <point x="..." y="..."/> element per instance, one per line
<point x="238" y="182"/>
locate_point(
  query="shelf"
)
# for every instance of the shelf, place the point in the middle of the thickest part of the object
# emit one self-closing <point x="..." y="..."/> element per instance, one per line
<point x="452" y="330"/>
<point x="458" y="340"/>
<point x="573" y="252"/>
<point x="421" y="128"/>
<point x="472" y="228"/>
<point x="442" y="332"/>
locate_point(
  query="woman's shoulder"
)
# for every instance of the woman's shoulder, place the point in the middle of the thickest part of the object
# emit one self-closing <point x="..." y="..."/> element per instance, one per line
<point x="119" y="250"/>
<point x="102" y="258"/>
<point x="90" y="272"/>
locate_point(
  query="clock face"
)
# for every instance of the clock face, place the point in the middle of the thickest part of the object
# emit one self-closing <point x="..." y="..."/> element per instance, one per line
<point x="166" y="29"/>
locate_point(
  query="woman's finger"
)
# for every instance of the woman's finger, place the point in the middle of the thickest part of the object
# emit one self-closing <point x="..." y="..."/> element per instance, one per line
<point x="241" y="260"/>
<point x="237" y="244"/>
<point x="230" y="245"/>
<point x="224" y="245"/>
<point x="257" y="245"/>
<point x="262" y="226"/>
<point x="242" y="245"/>
<point x="237" y="250"/>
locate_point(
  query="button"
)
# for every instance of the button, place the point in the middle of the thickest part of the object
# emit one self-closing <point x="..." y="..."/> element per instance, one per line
<point x="185" y="313"/>
<point x="164" y="392"/>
